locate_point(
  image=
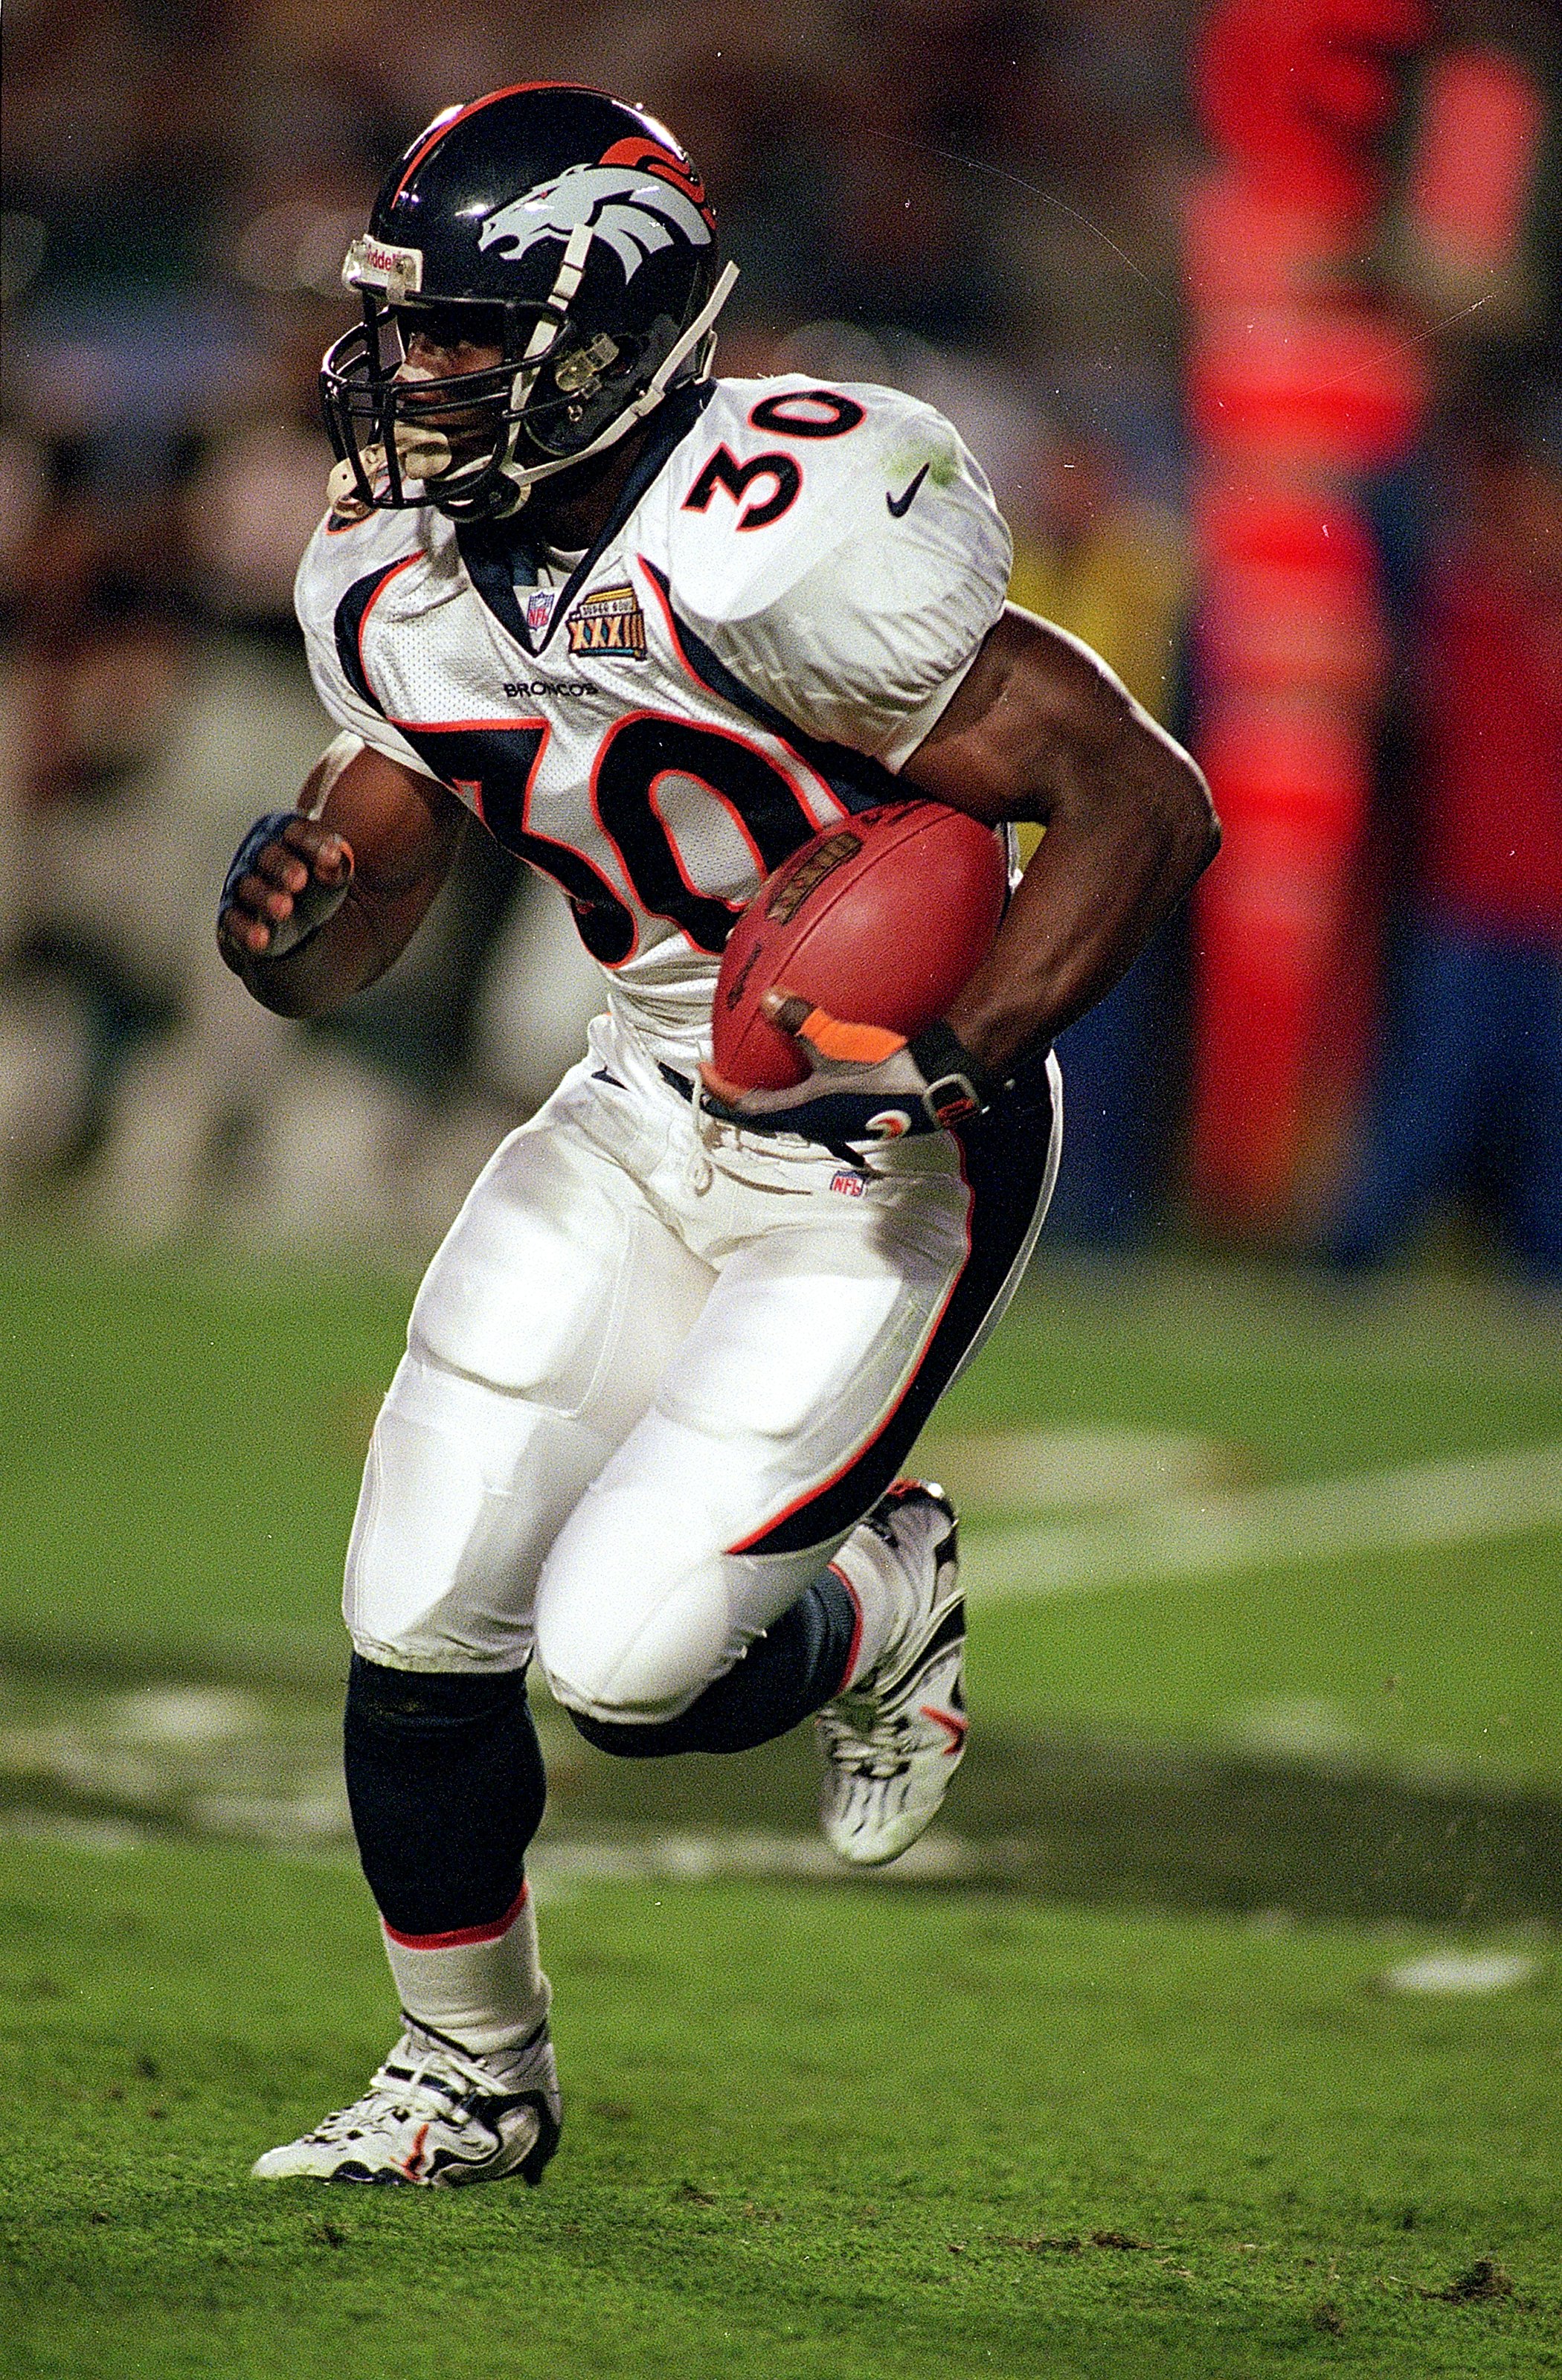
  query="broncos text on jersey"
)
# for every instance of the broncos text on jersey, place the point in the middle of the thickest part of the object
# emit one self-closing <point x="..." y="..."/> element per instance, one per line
<point x="792" y="585"/>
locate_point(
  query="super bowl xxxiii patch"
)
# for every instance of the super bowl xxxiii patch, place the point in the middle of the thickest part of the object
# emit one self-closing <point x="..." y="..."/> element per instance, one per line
<point x="609" y="620"/>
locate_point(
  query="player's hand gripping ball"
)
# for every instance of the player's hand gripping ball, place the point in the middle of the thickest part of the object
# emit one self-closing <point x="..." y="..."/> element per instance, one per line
<point x="827" y="1018"/>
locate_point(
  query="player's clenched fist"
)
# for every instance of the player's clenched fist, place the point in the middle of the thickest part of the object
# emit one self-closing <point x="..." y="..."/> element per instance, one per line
<point x="288" y="875"/>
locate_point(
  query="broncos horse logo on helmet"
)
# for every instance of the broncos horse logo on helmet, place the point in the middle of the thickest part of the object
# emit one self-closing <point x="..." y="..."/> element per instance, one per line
<point x="623" y="209"/>
<point x="558" y="227"/>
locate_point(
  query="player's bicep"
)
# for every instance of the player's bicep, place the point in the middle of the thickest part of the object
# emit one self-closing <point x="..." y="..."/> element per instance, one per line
<point x="1037" y="717"/>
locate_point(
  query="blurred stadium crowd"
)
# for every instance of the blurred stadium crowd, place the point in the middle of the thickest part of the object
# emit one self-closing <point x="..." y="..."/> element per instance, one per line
<point x="983" y="201"/>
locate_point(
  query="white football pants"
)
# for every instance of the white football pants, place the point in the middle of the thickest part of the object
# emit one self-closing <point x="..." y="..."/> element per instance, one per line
<point x="651" y="1382"/>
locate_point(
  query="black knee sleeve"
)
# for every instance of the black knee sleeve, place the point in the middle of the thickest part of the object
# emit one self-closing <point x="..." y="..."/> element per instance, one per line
<point x="446" y="1784"/>
<point x="784" y="1676"/>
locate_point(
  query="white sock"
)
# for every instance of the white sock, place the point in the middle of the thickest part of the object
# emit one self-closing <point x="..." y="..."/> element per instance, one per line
<point x="482" y="1986"/>
<point x="877" y="1584"/>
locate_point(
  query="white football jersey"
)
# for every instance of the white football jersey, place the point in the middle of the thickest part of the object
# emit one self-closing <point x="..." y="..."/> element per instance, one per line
<point x="790" y="589"/>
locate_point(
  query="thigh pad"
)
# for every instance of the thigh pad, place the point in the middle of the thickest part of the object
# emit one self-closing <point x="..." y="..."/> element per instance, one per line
<point x="532" y="1290"/>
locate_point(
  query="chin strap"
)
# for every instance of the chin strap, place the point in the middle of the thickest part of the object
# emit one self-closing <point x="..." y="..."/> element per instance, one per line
<point x="341" y="483"/>
<point x="523" y="476"/>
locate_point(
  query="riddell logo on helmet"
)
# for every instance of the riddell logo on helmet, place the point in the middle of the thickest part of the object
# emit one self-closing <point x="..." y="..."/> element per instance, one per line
<point x="381" y="265"/>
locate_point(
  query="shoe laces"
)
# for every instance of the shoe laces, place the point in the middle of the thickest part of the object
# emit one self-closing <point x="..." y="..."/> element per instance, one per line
<point x="421" y="2089"/>
<point x="879" y="1751"/>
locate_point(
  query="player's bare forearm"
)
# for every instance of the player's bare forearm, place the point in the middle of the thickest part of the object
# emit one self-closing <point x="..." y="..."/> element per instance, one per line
<point x="386" y="834"/>
<point x="1040" y="731"/>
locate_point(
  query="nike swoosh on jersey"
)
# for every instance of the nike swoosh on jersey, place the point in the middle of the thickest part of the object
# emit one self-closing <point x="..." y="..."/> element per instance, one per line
<point x="901" y="505"/>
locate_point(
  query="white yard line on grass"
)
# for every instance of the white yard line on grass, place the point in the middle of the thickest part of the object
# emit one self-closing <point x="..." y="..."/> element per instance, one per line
<point x="1454" y="1503"/>
<point x="1075" y="1470"/>
<point x="1462" y="1971"/>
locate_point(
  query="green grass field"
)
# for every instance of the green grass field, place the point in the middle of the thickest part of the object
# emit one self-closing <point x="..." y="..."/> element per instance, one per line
<point x="1114" y="2081"/>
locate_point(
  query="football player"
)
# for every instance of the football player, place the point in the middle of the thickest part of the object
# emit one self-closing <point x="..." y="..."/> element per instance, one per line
<point x="655" y="630"/>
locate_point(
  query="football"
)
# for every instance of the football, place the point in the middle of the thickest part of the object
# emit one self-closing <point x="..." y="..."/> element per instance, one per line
<point x="880" y="920"/>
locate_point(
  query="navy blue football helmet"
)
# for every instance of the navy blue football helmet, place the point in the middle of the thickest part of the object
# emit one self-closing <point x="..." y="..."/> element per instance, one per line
<point x="561" y="226"/>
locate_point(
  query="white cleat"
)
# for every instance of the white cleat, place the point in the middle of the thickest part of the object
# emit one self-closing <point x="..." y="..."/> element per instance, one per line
<point x="435" y="2118"/>
<point x="891" y="1744"/>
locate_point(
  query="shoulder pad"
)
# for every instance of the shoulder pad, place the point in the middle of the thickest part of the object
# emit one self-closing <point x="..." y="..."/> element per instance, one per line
<point x="340" y="552"/>
<point x="778" y="473"/>
<point x="840" y="550"/>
